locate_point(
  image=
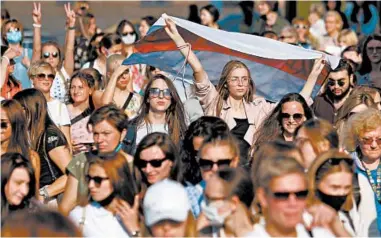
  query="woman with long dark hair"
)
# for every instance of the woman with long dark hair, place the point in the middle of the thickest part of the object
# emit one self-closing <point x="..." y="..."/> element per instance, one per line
<point x="17" y="184"/>
<point x="48" y="141"/>
<point x="80" y="109"/>
<point x="291" y="111"/>
<point x="14" y="134"/>
<point x="370" y="70"/>
<point x="156" y="158"/>
<point x="161" y="111"/>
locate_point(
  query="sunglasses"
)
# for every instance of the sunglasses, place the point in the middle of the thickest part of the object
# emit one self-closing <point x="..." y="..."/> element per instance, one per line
<point x="156" y="163"/>
<point x="286" y="195"/>
<point x="300" y="26"/>
<point x="208" y="164"/>
<point x="4" y="125"/>
<point x="128" y="33"/>
<point x="97" y="180"/>
<point x="333" y="83"/>
<point x="53" y="54"/>
<point x="44" y="76"/>
<point x="369" y="141"/>
<point x="296" y="117"/>
<point x="155" y="92"/>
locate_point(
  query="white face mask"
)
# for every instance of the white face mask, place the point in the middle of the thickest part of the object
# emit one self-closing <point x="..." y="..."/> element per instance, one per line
<point x="211" y="212"/>
<point x="129" y="39"/>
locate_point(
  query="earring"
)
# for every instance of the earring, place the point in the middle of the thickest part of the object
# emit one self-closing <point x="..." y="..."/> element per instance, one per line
<point x="225" y="85"/>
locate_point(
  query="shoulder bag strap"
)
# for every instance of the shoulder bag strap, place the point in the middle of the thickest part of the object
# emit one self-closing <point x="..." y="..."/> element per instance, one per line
<point x="84" y="114"/>
<point x="127" y="101"/>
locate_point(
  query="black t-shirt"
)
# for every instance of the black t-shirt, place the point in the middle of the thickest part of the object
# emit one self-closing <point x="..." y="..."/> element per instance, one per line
<point x="49" y="170"/>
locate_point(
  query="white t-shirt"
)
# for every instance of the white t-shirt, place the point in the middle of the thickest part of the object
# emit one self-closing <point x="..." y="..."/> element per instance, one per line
<point x="98" y="221"/>
<point x="58" y="89"/>
<point x="58" y="113"/>
<point x="95" y="66"/>
<point x="144" y="130"/>
<point x="260" y="231"/>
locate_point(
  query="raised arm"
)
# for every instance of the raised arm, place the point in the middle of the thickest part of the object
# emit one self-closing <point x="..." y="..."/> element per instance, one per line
<point x="69" y="40"/>
<point x="36" y="32"/>
<point x="171" y="29"/>
<point x="108" y="94"/>
<point x="5" y="62"/>
<point x="312" y="78"/>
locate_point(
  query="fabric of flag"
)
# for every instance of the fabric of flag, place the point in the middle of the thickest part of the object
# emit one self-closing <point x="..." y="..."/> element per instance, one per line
<point x="276" y="68"/>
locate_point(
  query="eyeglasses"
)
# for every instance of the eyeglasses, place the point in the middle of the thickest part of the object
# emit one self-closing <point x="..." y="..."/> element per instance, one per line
<point x="4" y="125"/>
<point x="333" y="82"/>
<point x="208" y="164"/>
<point x="155" y="92"/>
<point x="128" y="33"/>
<point x="374" y="49"/>
<point x="235" y="81"/>
<point x="45" y="76"/>
<point x="53" y="54"/>
<point x="300" y="26"/>
<point x="156" y="163"/>
<point x="97" y="179"/>
<point x="296" y="117"/>
<point x="369" y="141"/>
<point x="286" y="195"/>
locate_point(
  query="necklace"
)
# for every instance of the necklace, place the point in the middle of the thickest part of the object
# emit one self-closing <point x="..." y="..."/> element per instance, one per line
<point x="376" y="185"/>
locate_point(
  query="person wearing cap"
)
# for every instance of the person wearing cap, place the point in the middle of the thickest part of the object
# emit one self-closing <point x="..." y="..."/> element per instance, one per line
<point x="167" y="211"/>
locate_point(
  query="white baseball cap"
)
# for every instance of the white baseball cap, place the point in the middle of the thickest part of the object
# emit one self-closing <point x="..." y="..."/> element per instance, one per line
<point x="165" y="200"/>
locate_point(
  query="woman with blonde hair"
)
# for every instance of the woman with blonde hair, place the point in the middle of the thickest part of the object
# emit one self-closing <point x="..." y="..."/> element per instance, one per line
<point x="347" y="38"/>
<point x="363" y="140"/>
<point x="330" y="179"/>
<point x="306" y="39"/>
<point x="333" y="24"/>
<point x="314" y="137"/>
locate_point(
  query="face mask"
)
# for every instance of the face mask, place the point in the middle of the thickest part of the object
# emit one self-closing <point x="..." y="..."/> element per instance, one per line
<point x="129" y="39"/>
<point x="211" y="212"/>
<point x="14" y="37"/>
<point x="336" y="202"/>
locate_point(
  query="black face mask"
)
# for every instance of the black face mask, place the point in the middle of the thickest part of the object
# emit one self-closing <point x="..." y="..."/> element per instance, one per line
<point x="336" y="202"/>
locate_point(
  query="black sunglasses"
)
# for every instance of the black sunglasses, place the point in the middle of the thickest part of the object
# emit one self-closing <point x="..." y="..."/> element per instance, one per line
<point x="97" y="180"/>
<point x="208" y="164"/>
<point x="285" y="195"/>
<point x="334" y="161"/>
<point x="156" y="163"/>
<point x="155" y="92"/>
<point x="44" y="76"/>
<point x="296" y="117"/>
<point x="4" y="125"/>
<point x="47" y="54"/>
<point x="333" y="82"/>
<point x="128" y="33"/>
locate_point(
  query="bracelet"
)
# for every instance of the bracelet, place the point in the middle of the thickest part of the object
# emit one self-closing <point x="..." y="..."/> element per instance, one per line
<point x="71" y="28"/>
<point x="5" y="57"/>
<point x="186" y="45"/>
<point x="44" y="192"/>
<point x="135" y="233"/>
<point x="37" y="25"/>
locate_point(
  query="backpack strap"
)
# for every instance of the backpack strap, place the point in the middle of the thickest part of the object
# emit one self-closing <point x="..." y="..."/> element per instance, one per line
<point x="92" y="64"/>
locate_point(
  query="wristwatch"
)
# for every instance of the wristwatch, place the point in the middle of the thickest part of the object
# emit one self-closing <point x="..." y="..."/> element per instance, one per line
<point x="44" y="192"/>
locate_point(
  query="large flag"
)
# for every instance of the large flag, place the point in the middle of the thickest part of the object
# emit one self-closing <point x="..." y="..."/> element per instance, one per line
<point x="277" y="68"/>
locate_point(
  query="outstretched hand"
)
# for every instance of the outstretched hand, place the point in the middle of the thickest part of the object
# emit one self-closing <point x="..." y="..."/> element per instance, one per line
<point x="70" y="15"/>
<point x="170" y="27"/>
<point x="318" y="66"/>
<point x="36" y="13"/>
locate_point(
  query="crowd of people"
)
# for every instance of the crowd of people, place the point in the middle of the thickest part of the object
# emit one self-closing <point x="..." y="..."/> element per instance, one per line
<point x="92" y="147"/>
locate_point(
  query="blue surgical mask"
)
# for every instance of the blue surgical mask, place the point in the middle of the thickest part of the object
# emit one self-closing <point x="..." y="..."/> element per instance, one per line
<point x="14" y="37"/>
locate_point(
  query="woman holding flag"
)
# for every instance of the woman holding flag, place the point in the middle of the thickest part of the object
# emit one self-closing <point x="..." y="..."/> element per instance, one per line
<point x="234" y="99"/>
